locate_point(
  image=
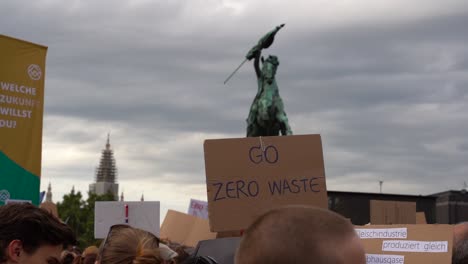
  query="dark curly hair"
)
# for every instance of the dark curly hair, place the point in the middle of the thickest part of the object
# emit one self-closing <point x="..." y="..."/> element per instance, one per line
<point x="33" y="226"/>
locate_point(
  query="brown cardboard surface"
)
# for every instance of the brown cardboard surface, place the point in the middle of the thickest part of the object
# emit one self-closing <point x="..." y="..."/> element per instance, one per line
<point x="421" y="218"/>
<point x="416" y="233"/>
<point x="224" y="234"/>
<point x="185" y="229"/>
<point x="243" y="183"/>
<point x="392" y="212"/>
<point x="50" y="207"/>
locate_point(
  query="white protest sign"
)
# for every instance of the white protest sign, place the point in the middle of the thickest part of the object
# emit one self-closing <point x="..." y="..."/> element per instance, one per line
<point x="143" y="215"/>
<point x="10" y="201"/>
<point x="382" y="233"/>
<point x="381" y="258"/>
<point x="414" y="246"/>
<point x="407" y="244"/>
<point x="198" y="208"/>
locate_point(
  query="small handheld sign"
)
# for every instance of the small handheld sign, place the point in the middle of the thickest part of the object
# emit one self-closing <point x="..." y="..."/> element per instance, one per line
<point x="142" y="215"/>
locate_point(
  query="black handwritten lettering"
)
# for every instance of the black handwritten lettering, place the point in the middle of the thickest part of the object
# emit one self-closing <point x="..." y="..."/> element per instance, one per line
<point x="240" y="188"/>
<point x="269" y="154"/>
<point x="220" y="184"/>
<point x="229" y="190"/>
<point x="233" y="190"/>
<point x="294" y="183"/>
<point x="286" y="186"/>
<point x="312" y="185"/>
<point x="255" y="158"/>
<point x="283" y="186"/>
<point x="304" y="183"/>
<point x="268" y="157"/>
<point x="253" y="183"/>
<point x="274" y="187"/>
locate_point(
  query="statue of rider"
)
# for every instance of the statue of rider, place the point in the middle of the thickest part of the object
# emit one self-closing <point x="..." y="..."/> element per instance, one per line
<point x="267" y="116"/>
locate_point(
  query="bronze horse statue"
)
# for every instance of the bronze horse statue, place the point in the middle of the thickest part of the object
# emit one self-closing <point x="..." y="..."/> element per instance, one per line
<point x="267" y="116"/>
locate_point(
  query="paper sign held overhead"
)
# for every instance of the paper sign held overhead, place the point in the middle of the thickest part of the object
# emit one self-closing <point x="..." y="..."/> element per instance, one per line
<point x="249" y="176"/>
<point x="198" y="208"/>
<point x="185" y="229"/>
<point x="142" y="215"/>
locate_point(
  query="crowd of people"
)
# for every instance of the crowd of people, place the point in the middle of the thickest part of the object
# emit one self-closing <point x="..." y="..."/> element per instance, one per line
<point x="293" y="234"/>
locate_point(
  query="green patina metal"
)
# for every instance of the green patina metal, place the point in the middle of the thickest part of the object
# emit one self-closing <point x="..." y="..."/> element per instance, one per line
<point x="267" y="116"/>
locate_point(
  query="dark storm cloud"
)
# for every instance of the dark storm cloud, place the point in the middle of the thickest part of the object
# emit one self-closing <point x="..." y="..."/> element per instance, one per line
<point x="387" y="94"/>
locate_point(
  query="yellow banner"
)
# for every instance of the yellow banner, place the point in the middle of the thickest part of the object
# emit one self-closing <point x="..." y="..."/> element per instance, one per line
<point x="22" y="72"/>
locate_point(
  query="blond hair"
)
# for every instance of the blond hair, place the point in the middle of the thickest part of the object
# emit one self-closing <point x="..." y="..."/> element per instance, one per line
<point x="131" y="246"/>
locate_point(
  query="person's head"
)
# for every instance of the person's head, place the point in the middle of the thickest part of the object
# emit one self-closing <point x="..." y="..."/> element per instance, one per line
<point x="167" y="253"/>
<point x="300" y="234"/>
<point x="269" y="67"/>
<point x="125" y="244"/>
<point x="31" y="235"/>
<point x="199" y="260"/>
<point x="183" y="253"/>
<point x="67" y="257"/>
<point x="89" y="255"/>
<point x="460" y="245"/>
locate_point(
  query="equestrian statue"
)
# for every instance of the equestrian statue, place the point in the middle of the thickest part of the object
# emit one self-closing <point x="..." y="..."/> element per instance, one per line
<point x="267" y="116"/>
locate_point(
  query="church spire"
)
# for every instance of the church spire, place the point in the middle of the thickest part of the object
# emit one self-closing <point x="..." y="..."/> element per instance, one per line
<point x="108" y="141"/>
<point x="106" y="173"/>
<point x="107" y="170"/>
<point x="49" y="193"/>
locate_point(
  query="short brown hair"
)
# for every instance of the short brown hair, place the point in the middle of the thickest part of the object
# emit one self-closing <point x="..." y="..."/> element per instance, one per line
<point x="130" y="245"/>
<point x="294" y="234"/>
<point x="33" y="226"/>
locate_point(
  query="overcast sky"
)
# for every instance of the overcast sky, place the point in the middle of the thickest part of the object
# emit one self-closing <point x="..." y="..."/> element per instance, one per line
<point x="385" y="83"/>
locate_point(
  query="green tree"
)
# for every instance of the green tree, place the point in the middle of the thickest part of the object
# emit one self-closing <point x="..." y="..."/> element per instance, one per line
<point x="88" y="235"/>
<point x="79" y="215"/>
<point x="70" y="211"/>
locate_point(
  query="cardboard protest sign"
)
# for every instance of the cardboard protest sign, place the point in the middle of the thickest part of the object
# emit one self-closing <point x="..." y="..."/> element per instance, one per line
<point x="185" y="229"/>
<point x="392" y="212"/>
<point x="198" y="208"/>
<point x="248" y="176"/>
<point x="22" y="75"/>
<point x="223" y="234"/>
<point x="421" y="218"/>
<point x="143" y="215"/>
<point x="50" y="207"/>
<point x="407" y="244"/>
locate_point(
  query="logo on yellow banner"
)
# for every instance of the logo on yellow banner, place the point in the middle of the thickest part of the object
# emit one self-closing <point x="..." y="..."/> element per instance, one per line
<point x="34" y="72"/>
